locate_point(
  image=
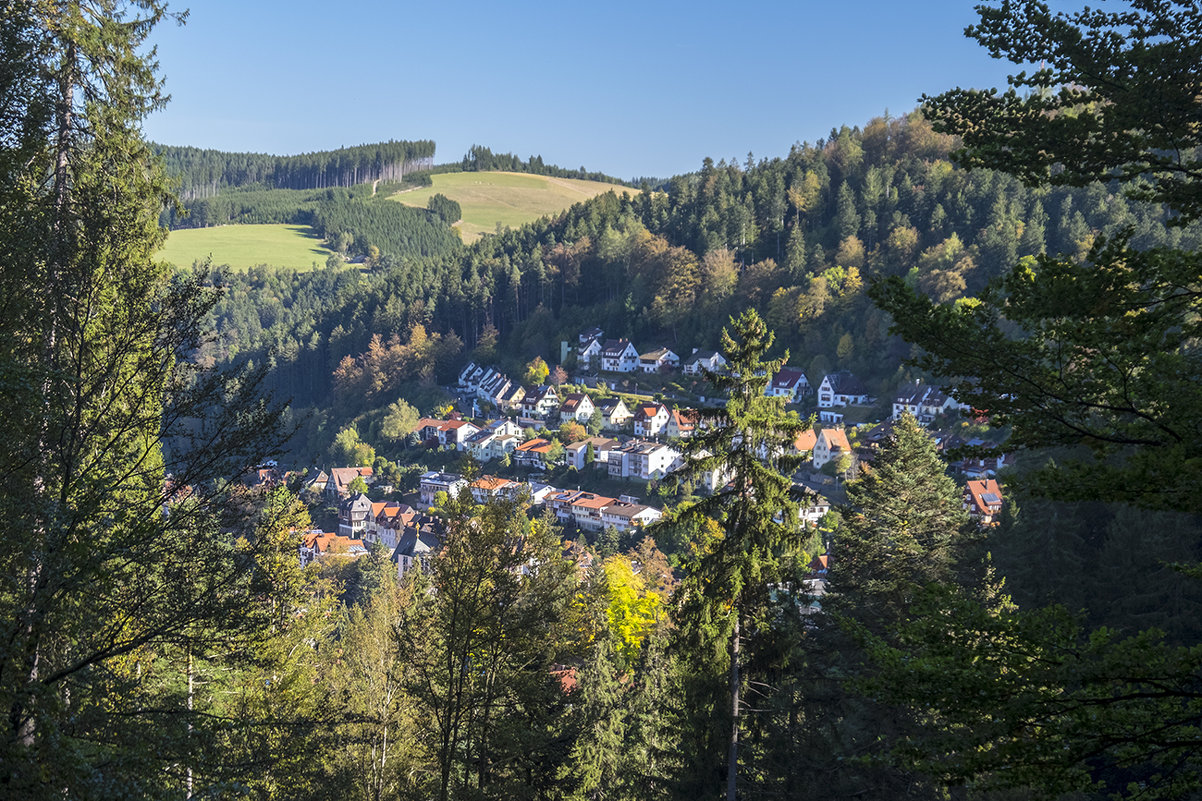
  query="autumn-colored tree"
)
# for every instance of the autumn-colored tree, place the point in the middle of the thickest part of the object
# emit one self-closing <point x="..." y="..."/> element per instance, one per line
<point x="536" y="371"/>
<point x="571" y="431"/>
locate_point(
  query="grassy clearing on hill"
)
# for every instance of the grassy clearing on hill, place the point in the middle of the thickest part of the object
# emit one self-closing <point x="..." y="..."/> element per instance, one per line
<point x="242" y="246"/>
<point x="508" y="198"/>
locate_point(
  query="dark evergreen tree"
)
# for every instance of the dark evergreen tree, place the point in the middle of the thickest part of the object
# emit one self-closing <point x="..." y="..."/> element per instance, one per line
<point x="728" y="595"/>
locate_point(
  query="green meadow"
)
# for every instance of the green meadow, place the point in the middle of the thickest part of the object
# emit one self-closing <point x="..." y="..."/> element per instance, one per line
<point x="508" y="198"/>
<point x="242" y="246"/>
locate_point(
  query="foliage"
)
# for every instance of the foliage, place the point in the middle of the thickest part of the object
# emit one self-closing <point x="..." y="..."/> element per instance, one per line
<point x="119" y="456"/>
<point x="727" y="595"/>
<point x="632" y="609"/>
<point x="481" y="636"/>
<point x="570" y="432"/>
<point x="1113" y="98"/>
<point x="480" y="159"/>
<point x="203" y="172"/>
<point x="400" y="420"/>
<point x="444" y="208"/>
<point x="536" y="372"/>
<point x="1092" y="353"/>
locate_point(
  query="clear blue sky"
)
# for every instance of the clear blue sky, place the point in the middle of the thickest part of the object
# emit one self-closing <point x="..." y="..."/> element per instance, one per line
<point x="628" y="88"/>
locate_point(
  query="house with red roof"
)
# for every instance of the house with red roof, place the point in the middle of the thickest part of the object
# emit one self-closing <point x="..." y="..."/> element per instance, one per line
<point x="650" y="419"/>
<point x="983" y="501"/>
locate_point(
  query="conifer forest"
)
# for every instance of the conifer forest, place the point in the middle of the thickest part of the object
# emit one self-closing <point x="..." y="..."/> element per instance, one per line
<point x="869" y="470"/>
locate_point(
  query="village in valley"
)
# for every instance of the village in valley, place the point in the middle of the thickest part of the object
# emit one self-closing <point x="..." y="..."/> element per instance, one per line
<point x="503" y="439"/>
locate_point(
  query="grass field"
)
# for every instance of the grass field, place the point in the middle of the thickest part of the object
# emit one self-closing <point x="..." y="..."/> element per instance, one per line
<point x="242" y="246"/>
<point x="508" y="198"/>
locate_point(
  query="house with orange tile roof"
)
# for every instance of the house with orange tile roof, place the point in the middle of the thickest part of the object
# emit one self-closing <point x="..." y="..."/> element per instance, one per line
<point x="487" y="488"/>
<point x="389" y="524"/>
<point x="650" y="419"/>
<point x="805" y="441"/>
<point x="682" y="423"/>
<point x="983" y="501"/>
<point x="533" y="453"/>
<point x="829" y="445"/>
<point x="318" y="544"/>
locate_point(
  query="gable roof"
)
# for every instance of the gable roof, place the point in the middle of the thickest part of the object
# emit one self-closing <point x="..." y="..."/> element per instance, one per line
<point x="806" y="440"/>
<point x="573" y="401"/>
<point x="536" y="445"/>
<point x="836" y="438"/>
<point x="614" y="348"/>
<point x="844" y="383"/>
<point x="788" y="378"/>
<point x="703" y="356"/>
<point x="609" y="405"/>
<point x="656" y="355"/>
<point x="986" y="495"/>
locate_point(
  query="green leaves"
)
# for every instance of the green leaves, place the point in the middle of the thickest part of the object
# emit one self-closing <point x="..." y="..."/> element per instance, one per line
<point x="1116" y="96"/>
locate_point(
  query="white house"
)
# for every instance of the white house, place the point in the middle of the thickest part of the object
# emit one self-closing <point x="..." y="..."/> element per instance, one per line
<point x="576" y="406"/>
<point x="576" y="453"/>
<point x="449" y="433"/>
<point x="657" y="360"/>
<point x="829" y="445"/>
<point x="841" y="389"/>
<point x="353" y="514"/>
<point x="434" y="482"/>
<point x="650" y="419"/>
<point x="619" y="356"/>
<point x="540" y="401"/>
<point x="415" y="546"/>
<point x="682" y="423"/>
<point x="645" y="460"/>
<point x="469" y="376"/>
<point x="789" y="382"/>
<point x="923" y="403"/>
<point x="614" y="413"/>
<point x="625" y="516"/>
<point x="703" y="359"/>
<point x="589" y="353"/>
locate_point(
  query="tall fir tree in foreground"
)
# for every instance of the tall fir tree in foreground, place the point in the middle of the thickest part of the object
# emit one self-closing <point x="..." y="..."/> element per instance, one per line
<point x="729" y="595"/>
<point x="902" y="530"/>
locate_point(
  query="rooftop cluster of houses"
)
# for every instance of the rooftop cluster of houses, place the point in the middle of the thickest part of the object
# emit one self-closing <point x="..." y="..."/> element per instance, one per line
<point x="335" y="484"/>
<point x="594" y="352"/>
<point x="924" y="403"/>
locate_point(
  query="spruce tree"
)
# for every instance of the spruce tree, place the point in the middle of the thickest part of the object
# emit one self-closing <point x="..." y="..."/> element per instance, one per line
<point x="901" y="530"/>
<point x="727" y="595"/>
<point x="903" y="520"/>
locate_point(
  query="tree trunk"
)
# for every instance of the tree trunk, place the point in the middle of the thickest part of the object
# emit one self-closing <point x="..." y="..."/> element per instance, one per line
<point x="191" y="696"/>
<point x="732" y="759"/>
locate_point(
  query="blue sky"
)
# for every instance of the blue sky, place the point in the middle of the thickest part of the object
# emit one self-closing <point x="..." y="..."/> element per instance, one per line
<point x="628" y="88"/>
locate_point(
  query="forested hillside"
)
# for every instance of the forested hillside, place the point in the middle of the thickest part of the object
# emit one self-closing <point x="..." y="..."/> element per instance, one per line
<point x="204" y="173"/>
<point x="798" y="237"/>
<point x="176" y="624"/>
